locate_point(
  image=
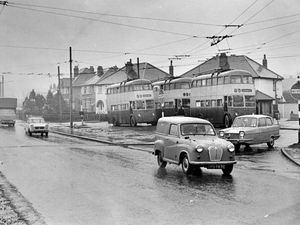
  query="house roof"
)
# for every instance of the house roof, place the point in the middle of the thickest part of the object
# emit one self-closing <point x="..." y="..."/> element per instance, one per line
<point x="235" y="62"/>
<point x="146" y="71"/>
<point x="262" y="96"/>
<point x="65" y="82"/>
<point x="288" y="97"/>
<point x="92" y="81"/>
<point x="81" y="79"/>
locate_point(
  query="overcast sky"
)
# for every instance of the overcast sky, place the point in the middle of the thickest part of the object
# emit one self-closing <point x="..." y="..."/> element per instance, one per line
<point x="36" y="35"/>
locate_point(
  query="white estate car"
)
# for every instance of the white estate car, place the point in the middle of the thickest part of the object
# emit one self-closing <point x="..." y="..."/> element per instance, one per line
<point x="36" y="125"/>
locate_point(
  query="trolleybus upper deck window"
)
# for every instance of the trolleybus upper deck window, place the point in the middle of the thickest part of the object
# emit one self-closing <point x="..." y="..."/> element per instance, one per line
<point x="247" y="80"/>
<point x="236" y="79"/>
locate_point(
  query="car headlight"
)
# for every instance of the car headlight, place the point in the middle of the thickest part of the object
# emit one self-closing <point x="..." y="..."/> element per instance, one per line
<point x="199" y="148"/>
<point x="242" y="134"/>
<point x="221" y="134"/>
<point x="236" y="114"/>
<point x="230" y="148"/>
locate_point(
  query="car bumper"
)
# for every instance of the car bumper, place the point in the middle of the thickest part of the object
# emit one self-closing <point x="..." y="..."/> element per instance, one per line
<point x="196" y="163"/>
<point x="241" y="141"/>
<point x="39" y="131"/>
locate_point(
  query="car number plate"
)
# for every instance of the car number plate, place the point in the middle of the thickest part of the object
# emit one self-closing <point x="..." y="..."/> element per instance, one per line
<point x="216" y="167"/>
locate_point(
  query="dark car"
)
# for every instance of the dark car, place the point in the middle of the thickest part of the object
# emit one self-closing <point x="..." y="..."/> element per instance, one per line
<point x="193" y="143"/>
<point x="252" y="129"/>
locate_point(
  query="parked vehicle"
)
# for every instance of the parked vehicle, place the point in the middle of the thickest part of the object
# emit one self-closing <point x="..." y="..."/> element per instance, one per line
<point x="8" y="111"/>
<point x="252" y="129"/>
<point x="193" y="143"/>
<point x="131" y="103"/>
<point x="36" y="125"/>
<point x="220" y="97"/>
<point x="172" y="96"/>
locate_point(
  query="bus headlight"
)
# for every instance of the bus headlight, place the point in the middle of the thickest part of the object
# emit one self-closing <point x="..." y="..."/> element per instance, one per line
<point x="139" y="115"/>
<point x="242" y="134"/>
<point x="236" y="114"/>
<point x="230" y="148"/>
<point x="199" y="148"/>
<point x="221" y="133"/>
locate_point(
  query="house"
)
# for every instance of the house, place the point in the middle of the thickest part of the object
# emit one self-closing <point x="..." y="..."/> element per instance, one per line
<point x="288" y="106"/>
<point x="78" y="86"/>
<point x="268" y="84"/>
<point x="128" y="72"/>
<point x="65" y="89"/>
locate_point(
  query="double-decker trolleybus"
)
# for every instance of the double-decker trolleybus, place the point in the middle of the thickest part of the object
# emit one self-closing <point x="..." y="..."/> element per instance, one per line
<point x="172" y="96"/>
<point x="131" y="102"/>
<point x="220" y="97"/>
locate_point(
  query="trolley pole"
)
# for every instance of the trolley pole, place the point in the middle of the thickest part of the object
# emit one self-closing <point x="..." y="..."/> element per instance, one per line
<point x="59" y="95"/>
<point x="299" y="121"/>
<point x="295" y="93"/>
<point x="71" y="91"/>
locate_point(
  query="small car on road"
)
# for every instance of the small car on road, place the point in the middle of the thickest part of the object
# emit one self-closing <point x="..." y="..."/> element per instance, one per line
<point x="193" y="143"/>
<point x="36" y="125"/>
<point x="252" y="129"/>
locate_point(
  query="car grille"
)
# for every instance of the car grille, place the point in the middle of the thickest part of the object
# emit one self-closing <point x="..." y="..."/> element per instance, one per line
<point x="215" y="154"/>
<point x="232" y="136"/>
<point x="39" y="128"/>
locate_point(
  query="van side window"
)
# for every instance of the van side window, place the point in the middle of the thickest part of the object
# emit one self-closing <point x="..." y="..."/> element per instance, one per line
<point x="174" y="130"/>
<point x="163" y="128"/>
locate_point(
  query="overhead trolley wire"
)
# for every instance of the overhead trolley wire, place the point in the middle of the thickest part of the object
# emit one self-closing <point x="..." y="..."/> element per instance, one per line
<point x="204" y="43"/>
<point x="108" y="22"/>
<point x="120" y="16"/>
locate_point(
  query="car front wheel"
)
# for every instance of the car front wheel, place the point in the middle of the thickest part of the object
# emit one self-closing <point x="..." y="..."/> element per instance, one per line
<point x="237" y="147"/>
<point x="161" y="163"/>
<point x="228" y="169"/>
<point x="186" y="166"/>
<point x="271" y="142"/>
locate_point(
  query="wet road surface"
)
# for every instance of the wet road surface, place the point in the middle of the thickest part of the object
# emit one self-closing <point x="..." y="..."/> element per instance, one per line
<point x="71" y="181"/>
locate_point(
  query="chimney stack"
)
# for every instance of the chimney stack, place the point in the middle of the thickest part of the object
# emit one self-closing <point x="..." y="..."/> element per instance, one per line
<point x="223" y="62"/>
<point x="92" y="69"/>
<point x="265" y="61"/>
<point x="171" y="69"/>
<point x="100" y="71"/>
<point x="129" y="66"/>
<point x="76" y="71"/>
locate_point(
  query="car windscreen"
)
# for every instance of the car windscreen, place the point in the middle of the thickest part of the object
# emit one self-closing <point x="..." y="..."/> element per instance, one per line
<point x="37" y="120"/>
<point x="197" y="129"/>
<point x="245" y="122"/>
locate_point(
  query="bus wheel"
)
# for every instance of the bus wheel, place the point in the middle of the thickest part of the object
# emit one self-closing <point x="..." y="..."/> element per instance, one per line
<point x="227" y="121"/>
<point x="115" y="122"/>
<point x="132" y="122"/>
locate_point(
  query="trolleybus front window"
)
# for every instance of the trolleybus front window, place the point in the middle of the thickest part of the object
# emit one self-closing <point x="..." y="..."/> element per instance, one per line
<point x="238" y="101"/>
<point x="149" y="104"/>
<point x="249" y="101"/>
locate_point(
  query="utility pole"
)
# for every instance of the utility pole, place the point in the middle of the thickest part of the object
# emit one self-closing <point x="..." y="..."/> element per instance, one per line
<point x="59" y="95"/>
<point x="2" y="88"/>
<point x="71" y="91"/>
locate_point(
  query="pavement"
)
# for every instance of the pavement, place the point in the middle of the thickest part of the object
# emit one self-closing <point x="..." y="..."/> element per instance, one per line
<point x="106" y="133"/>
